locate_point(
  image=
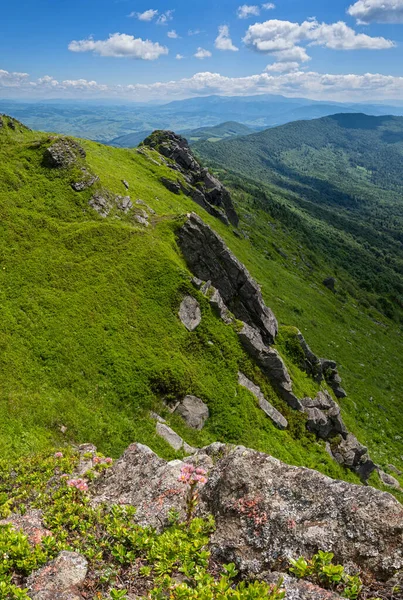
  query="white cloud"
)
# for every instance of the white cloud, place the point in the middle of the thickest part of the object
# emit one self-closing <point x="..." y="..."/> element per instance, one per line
<point x="245" y="11"/>
<point x="120" y="45"/>
<point x="172" y="34"/>
<point x="283" y="39"/>
<point x="223" y="40"/>
<point x="179" y="57"/>
<point x="147" y="15"/>
<point x="379" y="11"/>
<point x="202" y="53"/>
<point x="268" y="6"/>
<point x="294" y="83"/>
<point x="194" y="32"/>
<point x="165" y="17"/>
<point x="282" y="67"/>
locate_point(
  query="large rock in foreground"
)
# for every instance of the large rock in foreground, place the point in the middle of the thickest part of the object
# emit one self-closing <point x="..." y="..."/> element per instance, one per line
<point x="266" y="511"/>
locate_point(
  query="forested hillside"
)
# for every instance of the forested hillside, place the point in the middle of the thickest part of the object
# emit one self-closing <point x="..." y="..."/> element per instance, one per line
<point x="338" y="183"/>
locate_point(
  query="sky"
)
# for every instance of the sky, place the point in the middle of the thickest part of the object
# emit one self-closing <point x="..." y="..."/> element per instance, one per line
<point x="143" y="50"/>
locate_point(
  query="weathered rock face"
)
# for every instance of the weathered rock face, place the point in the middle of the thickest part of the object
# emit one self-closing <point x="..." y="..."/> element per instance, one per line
<point x="59" y="579"/>
<point x="270" y="363"/>
<point x="352" y="454"/>
<point x="30" y="523"/>
<point x="388" y="479"/>
<point x="190" y="313"/>
<point x="324" y="418"/>
<point x="202" y="187"/>
<point x="271" y="412"/>
<point x="194" y="411"/>
<point x="298" y="589"/>
<point x="266" y="511"/>
<point x="332" y="377"/>
<point x="209" y="258"/>
<point x="63" y="153"/>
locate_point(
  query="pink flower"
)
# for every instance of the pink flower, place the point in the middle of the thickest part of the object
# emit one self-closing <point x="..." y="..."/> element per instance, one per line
<point x="58" y="455"/>
<point x="189" y="474"/>
<point x="97" y="460"/>
<point x="109" y="460"/>
<point x="79" y="484"/>
<point x="200" y="471"/>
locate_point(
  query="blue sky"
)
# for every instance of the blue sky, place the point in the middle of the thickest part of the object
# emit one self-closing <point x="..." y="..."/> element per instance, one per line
<point x="142" y="49"/>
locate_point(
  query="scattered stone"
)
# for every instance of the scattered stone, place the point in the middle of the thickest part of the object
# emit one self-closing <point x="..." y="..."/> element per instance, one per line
<point x="141" y="220"/>
<point x="264" y="510"/>
<point x="194" y="411"/>
<point x="157" y="417"/>
<point x="190" y="313"/>
<point x="63" y="153"/>
<point x="202" y="187"/>
<point x="350" y="453"/>
<point x="277" y="418"/>
<point x="332" y="377"/>
<point x="101" y="203"/>
<point x="11" y="124"/>
<point x="30" y="524"/>
<point x="87" y="181"/>
<point x="63" y="429"/>
<point x="86" y="454"/>
<point x="330" y="283"/>
<point x="209" y="258"/>
<point x="125" y="184"/>
<point x="388" y="479"/>
<point x="312" y="364"/>
<point x="124" y="203"/>
<point x="173" y="439"/>
<point x="59" y="579"/>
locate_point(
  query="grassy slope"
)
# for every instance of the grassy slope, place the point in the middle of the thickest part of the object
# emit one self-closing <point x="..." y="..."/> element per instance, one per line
<point x="89" y="333"/>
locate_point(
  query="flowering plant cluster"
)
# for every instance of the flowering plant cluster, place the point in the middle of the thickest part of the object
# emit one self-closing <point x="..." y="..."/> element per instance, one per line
<point x="58" y="455"/>
<point x="78" y="484"/>
<point x="192" y="476"/>
<point x="99" y="460"/>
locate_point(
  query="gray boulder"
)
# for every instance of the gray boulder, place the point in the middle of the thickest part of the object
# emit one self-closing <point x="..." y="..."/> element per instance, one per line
<point x="172" y="438"/>
<point x="124" y="203"/>
<point x="352" y="454"/>
<point x="194" y="411"/>
<point x="332" y="377"/>
<point x="59" y="579"/>
<point x="324" y="418"/>
<point x="265" y="511"/>
<point x="172" y="186"/>
<point x="299" y="589"/>
<point x="190" y="313"/>
<point x="388" y="479"/>
<point x="209" y="258"/>
<point x="330" y="283"/>
<point x="271" y="412"/>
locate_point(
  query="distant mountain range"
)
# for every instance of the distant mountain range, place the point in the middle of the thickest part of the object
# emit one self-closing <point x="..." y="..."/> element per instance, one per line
<point x="111" y="123"/>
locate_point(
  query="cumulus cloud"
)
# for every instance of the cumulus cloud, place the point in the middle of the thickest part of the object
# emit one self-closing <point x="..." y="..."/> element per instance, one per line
<point x="223" y="40"/>
<point x="120" y="45"/>
<point x="165" y="17"/>
<point x="179" y="57"/>
<point x="283" y="39"/>
<point x="172" y="34"/>
<point x="147" y="15"/>
<point x="282" y="67"/>
<point x="245" y="11"/>
<point x="379" y="11"/>
<point x="202" y="53"/>
<point x="268" y="6"/>
<point x="292" y="83"/>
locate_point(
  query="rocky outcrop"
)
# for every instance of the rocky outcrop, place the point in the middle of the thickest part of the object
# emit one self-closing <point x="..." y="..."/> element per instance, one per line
<point x="200" y="185"/>
<point x="59" y="579"/>
<point x="388" y="479"/>
<point x="265" y="511"/>
<point x="63" y="153"/>
<point x="267" y="408"/>
<point x="332" y="377"/>
<point x="324" y="418"/>
<point x="299" y="589"/>
<point x="270" y="363"/>
<point x="193" y="411"/>
<point x="330" y="283"/>
<point x="190" y="313"/>
<point x="210" y="259"/>
<point x="350" y="453"/>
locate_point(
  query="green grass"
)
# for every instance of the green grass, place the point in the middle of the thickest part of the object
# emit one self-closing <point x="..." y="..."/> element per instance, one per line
<point x="90" y="337"/>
